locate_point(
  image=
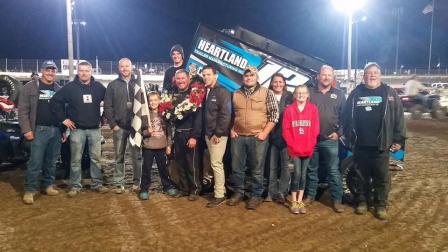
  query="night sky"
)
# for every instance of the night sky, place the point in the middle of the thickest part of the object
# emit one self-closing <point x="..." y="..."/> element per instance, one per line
<point x="145" y="30"/>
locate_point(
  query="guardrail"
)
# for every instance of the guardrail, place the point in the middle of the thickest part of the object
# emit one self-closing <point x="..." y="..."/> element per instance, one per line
<point x="104" y="66"/>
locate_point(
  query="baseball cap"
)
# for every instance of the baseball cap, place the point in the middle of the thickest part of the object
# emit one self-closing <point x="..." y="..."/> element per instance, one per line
<point x="49" y="64"/>
<point x="251" y="69"/>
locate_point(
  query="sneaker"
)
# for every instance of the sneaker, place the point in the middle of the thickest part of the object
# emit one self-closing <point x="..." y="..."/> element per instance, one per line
<point x="193" y="197"/>
<point x="214" y="202"/>
<point x="294" y="208"/>
<point x="119" y="190"/>
<point x="73" y="192"/>
<point x="338" y="207"/>
<point x="253" y="203"/>
<point x="143" y="195"/>
<point x="361" y="208"/>
<point x="101" y="189"/>
<point x="235" y="199"/>
<point x="308" y="201"/>
<point x="381" y="213"/>
<point x="173" y="193"/>
<point x="28" y="198"/>
<point x="302" y="209"/>
<point x="51" y="191"/>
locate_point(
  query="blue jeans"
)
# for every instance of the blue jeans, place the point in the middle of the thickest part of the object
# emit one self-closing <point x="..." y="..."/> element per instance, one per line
<point x="121" y="140"/>
<point x="325" y="157"/>
<point x="299" y="175"/>
<point x="248" y="152"/>
<point x="278" y="187"/>
<point x="77" y="143"/>
<point x="45" y="150"/>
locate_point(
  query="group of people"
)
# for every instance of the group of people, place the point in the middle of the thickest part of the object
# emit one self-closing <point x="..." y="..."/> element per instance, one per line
<point x="298" y="131"/>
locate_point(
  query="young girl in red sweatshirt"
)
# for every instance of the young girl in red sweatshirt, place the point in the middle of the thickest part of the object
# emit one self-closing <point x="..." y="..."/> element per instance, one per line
<point x="300" y="130"/>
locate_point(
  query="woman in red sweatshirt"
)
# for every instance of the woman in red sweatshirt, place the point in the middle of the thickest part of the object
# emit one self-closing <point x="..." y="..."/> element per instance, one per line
<point x="300" y="131"/>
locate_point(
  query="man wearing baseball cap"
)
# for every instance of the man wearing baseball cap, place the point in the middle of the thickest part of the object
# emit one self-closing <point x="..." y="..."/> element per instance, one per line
<point x="41" y="128"/>
<point x="177" y="55"/>
<point x="255" y="112"/>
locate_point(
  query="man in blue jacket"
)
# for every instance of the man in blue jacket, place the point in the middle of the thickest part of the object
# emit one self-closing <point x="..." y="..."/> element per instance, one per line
<point x="373" y="123"/>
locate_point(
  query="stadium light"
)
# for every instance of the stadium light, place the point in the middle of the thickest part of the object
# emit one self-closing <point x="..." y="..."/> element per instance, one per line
<point x="349" y="7"/>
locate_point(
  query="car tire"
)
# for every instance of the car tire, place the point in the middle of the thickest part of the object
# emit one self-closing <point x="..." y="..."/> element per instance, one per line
<point x="438" y="112"/>
<point x="417" y="111"/>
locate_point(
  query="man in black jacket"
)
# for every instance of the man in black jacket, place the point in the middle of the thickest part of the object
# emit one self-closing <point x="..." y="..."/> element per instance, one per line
<point x="188" y="130"/>
<point x="373" y="123"/>
<point x="82" y="97"/>
<point x="330" y="102"/>
<point x="218" y="112"/>
<point x="118" y="104"/>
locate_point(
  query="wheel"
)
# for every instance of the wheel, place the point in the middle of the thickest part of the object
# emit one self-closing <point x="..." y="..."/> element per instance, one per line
<point x="438" y="112"/>
<point x="417" y="111"/>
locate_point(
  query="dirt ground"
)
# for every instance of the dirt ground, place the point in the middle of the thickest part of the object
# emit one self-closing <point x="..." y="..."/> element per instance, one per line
<point x="92" y="222"/>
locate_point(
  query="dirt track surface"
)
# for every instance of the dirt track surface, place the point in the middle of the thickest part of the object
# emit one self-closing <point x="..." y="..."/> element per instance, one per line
<point x="92" y="222"/>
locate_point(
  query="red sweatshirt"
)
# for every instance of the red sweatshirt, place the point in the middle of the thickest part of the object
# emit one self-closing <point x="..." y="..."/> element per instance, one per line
<point x="300" y="129"/>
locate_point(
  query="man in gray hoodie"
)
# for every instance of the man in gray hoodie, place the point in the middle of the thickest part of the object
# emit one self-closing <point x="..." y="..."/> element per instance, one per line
<point x="118" y="104"/>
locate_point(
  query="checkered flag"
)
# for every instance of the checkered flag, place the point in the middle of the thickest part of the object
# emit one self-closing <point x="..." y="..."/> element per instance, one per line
<point x="141" y="112"/>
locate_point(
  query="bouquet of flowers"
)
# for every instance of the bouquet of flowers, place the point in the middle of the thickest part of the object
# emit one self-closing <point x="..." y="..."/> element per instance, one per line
<point x="171" y="110"/>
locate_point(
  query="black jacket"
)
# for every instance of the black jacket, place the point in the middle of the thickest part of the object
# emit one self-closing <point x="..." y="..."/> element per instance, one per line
<point x="330" y="107"/>
<point x="115" y="108"/>
<point x="191" y="123"/>
<point x="275" y="137"/>
<point x="217" y="111"/>
<point x="392" y="126"/>
<point x="82" y="110"/>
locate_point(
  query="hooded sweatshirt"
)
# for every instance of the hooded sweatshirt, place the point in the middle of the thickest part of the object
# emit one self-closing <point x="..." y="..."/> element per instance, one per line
<point x="300" y="129"/>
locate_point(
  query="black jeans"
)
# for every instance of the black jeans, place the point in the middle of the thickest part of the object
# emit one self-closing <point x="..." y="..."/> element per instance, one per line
<point x="148" y="157"/>
<point x="190" y="175"/>
<point x="373" y="171"/>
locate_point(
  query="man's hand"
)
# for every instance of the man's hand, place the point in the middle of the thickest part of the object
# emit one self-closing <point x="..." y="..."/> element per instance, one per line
<point x="215" y="140"/>
<point x="29" y="136"/>
<point x="395" y="147"/>
<point x="261" y="136"/>
<point x="333" y="136"/>
<point x="69" y="124"/>
<point x="191" y="143"/>
<point x="116" y="128"/>
<point x="233" y="134"/>
<point x="64" y="137"/>
<point x="168" y="150"/>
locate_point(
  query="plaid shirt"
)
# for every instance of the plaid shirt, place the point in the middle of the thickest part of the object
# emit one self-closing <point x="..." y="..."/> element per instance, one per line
<point x="271" y="102"/>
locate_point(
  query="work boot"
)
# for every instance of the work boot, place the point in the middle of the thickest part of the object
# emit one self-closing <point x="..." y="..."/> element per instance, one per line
<point x="73" y="192"/>
<point x="51" y="191"/>
<point x="381" y="213"/>
<point x="338" y="207"/>
<point x="294" y="208"/>
<point x="28" y="198"/>
<point x="214" y="202"/>
<point x="235" y="199"/>
<point x="119" y="190"/>
<point x="254" y="203"/>
<point x="302" y="209"/>
<point x="361" y="208"/>
<point x="101" y="189"/>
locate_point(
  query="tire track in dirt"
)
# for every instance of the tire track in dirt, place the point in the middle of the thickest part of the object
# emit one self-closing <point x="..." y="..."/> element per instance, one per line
<point x="131" y="243"/>
<point x="5" y="233"/>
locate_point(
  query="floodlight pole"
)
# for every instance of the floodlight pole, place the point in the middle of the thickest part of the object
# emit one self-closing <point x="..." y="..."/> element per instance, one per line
<point x="70" y="38"/>
<point x="349" y="51"/>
